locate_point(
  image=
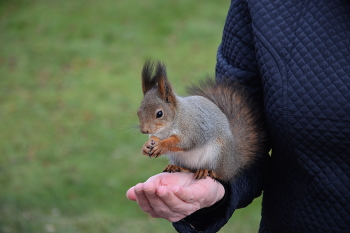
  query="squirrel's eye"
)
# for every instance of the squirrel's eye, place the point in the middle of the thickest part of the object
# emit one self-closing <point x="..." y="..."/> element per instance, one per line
<point x="159" y="114"/>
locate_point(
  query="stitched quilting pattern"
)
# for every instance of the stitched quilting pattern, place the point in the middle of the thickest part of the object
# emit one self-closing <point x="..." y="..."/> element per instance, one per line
<point x="298" y="54"/>
<point x="302" y="49"/>
<point x="239" y="62"/>
<point x="303" y="55"/>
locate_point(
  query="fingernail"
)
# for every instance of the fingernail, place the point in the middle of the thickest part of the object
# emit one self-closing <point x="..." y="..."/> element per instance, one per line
<point x="175" y="190"/>
<point x="163" y="195"/>
<point x="138" y="190"/>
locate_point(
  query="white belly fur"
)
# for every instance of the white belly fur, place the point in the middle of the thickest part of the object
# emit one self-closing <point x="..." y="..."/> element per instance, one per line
<point x="200" y="158"/>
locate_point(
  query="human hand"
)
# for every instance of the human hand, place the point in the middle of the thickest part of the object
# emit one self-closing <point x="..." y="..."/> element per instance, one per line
<point x="173" y="196"/>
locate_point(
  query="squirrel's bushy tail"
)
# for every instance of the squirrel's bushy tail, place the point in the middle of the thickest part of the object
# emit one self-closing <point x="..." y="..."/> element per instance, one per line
<point x="245" y="116"/>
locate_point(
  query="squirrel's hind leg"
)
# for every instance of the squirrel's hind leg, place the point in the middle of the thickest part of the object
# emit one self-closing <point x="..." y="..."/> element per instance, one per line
<point x="173" y="168"/>
<point x="203" y="173"/>
<point x="199" y="174"/>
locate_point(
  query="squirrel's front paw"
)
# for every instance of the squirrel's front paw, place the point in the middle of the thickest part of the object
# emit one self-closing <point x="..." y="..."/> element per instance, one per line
<point x="152" y="149"/>
<point x="158" y="150"/>
<point x="147" y="148"/>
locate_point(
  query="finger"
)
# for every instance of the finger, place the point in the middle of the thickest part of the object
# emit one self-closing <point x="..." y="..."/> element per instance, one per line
<point x="169" y="198"/>
<point x="142" y="200"/>
<point x="185" y="194"/>
<point x="161" y="209"/>
<point x="177" y="207"/>
<point x="150" y="192"/>
<point x="130" y="194"/>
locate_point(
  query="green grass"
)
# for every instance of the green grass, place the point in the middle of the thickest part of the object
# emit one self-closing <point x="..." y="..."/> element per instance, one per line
<point x="69" y="91"/>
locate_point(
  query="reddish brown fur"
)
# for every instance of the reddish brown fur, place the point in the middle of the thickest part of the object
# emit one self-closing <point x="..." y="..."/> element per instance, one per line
<point x="155" y="147"/>
<point x="171" y="143"/>
<point x="165" y="91"/>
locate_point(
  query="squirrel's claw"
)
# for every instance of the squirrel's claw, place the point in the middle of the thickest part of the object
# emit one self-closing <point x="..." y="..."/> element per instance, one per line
<point x="147" y="149"/>
<point x="157" y="150"/>
<point x="203" y="173"/>
<point x="173" y="168"/>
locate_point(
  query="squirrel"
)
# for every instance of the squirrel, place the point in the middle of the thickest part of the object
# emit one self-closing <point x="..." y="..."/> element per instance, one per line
<point x="216" y="131"/>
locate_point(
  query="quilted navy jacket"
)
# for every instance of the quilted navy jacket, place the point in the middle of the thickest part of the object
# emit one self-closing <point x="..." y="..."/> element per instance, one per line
<point x="295" y="55"/>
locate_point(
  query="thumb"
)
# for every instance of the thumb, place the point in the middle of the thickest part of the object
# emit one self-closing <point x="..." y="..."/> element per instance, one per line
<point x="130" y="194"/>
<point x="205" y="192"/>
<point x="188" y="194"/>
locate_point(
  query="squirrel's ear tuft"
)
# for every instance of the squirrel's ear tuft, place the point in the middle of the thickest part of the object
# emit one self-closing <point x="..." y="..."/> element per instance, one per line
<point x="152" y="77"/>
<point x="148" y="82"/>
<point x="165" y="90"/>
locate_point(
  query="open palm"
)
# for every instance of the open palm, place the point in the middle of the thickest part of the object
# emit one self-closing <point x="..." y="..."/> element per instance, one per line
<point x="173" y="196"/>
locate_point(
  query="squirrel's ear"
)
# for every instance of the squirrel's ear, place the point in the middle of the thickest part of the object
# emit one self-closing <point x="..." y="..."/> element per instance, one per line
<point x="147" y="81"/>
<point x="165" y="90"/>
<point x="150" y="80"/>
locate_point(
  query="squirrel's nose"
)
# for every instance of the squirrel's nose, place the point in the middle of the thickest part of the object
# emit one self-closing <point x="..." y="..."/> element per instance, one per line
<point x="144" y="130"/>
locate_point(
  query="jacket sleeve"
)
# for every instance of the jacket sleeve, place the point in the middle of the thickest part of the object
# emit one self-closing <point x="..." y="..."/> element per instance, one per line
<point x="236" y="61"/>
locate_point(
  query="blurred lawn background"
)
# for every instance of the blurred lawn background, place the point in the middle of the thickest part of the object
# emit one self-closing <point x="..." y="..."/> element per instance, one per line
<point x="69" y="91"/>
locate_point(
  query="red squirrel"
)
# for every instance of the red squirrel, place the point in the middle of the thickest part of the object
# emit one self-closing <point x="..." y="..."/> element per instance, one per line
<point x="216" y="131"/>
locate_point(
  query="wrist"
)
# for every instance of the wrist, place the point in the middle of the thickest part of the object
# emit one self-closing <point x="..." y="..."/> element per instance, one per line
<point x="217" y="194"/>
<point x="221" y="192"/>
<point x="203" y="217"/>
